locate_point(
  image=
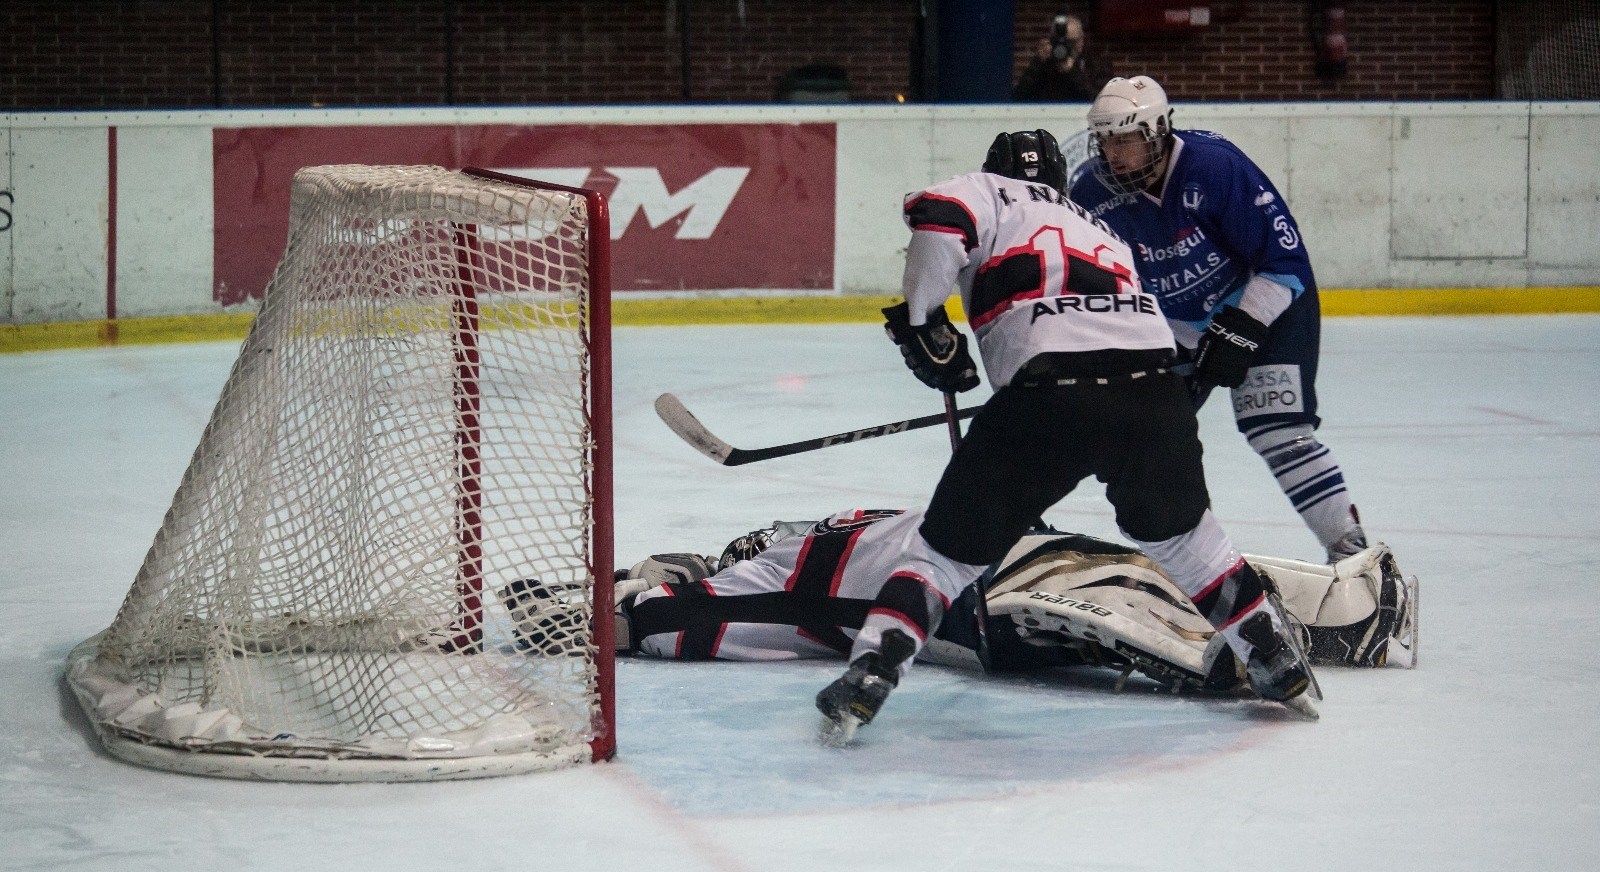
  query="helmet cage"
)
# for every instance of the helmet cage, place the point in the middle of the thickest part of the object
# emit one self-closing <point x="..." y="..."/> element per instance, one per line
<point x="1126" y="106"/>
<point x="1138" y="177"/>
<point x="746" y="547"/>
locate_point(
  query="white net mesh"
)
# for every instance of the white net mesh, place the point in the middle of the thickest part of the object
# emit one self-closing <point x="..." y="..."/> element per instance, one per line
<point x="1547" y="49"/>
<point x="406" y="430"/>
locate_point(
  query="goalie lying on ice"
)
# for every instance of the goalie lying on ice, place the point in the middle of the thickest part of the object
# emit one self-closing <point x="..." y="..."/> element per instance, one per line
<point x="797" y="590"/>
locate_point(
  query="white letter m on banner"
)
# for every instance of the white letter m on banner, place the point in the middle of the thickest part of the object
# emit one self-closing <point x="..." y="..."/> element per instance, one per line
<point x="702" y="202"/>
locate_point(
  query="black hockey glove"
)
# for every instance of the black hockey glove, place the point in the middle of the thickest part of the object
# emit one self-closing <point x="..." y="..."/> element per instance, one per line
<point x="936" y="352"/>
<point x="1226" y="348"/>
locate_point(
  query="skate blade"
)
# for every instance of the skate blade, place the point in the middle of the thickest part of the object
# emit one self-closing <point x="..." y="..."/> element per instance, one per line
<point x="1406" y="635"/>
<point x="838" y="733"/>
<point x="1302" y="706"/>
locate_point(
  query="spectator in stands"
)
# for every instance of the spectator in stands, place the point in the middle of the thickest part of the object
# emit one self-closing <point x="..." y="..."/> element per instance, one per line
<point x="1063" y="67"/>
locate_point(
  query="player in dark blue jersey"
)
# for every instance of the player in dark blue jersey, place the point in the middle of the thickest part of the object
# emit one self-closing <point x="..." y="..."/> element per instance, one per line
<point x="1216" y="245"/>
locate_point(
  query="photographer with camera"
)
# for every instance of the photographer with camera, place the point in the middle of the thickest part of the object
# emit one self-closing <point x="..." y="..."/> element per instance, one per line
<point x="1062" y="67"/>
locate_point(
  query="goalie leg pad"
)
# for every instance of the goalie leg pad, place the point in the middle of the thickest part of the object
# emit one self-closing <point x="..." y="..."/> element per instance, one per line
<point x="1356" y="612"/>
<point x="1160" y="640"/>
<point x="1390" y="622"/>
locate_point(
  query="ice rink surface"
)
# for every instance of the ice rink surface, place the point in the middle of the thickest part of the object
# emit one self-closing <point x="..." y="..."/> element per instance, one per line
<point x="1472" y="446"/>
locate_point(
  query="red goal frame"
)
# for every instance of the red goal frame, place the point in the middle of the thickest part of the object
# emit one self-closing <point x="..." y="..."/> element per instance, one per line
<point x="598" y="400"/>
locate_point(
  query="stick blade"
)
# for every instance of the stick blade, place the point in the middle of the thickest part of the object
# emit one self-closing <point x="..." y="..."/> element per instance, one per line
<point x="681" y="421"/>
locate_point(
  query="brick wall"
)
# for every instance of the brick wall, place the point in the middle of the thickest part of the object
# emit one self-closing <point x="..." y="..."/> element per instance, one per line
<point x="158" y="53"/>
<point x="105" y="55"/>
<point x="1435" y="50"/>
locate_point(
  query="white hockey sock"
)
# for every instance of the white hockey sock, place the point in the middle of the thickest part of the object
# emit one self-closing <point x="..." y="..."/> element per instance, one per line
<point x="1214" y="575"/>
<point x="1309" y="476"/>
<point x="1197" y="558"/>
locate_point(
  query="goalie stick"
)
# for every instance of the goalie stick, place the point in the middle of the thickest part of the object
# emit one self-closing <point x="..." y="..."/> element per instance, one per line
<point x="682" y="422"/>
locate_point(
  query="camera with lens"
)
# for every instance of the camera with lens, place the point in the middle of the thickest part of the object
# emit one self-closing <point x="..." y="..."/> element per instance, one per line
<point x="1062" y="46"/>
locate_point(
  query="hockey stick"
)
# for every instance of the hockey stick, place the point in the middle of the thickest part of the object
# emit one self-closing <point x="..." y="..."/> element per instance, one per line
<point x="689" y="429"/>
<point x="952" y="417"/>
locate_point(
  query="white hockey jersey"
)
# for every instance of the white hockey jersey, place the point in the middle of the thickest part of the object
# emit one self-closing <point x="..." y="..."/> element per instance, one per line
<point x="805" y="596"/>
<point x="1036" y="273"/>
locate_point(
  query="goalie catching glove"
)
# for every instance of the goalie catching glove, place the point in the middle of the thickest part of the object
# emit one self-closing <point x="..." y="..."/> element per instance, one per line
<point x="936" y="352"/>
<point x="1225" y="350"/>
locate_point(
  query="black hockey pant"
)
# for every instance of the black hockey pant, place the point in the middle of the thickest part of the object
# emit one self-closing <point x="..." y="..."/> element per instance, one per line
<point x="1030" y="446"/>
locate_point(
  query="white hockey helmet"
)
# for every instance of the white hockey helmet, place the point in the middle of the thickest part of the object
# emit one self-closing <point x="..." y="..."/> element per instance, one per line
<point x="1136" y="106"/>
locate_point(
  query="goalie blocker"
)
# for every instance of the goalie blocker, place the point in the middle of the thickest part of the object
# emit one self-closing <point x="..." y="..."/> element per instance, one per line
<point x="1057" y="599"/>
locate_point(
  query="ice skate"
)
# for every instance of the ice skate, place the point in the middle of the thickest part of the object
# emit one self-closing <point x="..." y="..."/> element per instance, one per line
<point x="853" y="700"/>
<point x="1278" y="670"/>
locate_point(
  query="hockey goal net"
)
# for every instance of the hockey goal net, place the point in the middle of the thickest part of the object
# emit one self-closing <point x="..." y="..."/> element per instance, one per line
<point x="418" y="418"/>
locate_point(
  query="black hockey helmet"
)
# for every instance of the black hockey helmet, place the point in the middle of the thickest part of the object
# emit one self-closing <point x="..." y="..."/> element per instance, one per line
<point x="1029" y="156"/>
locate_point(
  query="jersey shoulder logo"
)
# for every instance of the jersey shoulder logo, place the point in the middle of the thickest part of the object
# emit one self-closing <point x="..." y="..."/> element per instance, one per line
<point x="852" y="521"/>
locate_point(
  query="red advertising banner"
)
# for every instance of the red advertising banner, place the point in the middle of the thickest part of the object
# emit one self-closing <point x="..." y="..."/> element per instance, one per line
<point x="693" y="206"/>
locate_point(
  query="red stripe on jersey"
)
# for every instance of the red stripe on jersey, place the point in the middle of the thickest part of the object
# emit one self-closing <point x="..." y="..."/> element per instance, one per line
<point x="1045" y="251"/>
<point x="844" y="560"/>
<point x="968" y="232"/>
<point x="978" y="319"/>
<point x="799" y="563"/>
<point x="1122" y="271"/>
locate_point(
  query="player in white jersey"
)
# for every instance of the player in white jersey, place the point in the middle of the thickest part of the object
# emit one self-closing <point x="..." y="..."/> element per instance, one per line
<point x="862" y="570"/>
<point x="804" y="589"/>
<point x="1078" y="355"/>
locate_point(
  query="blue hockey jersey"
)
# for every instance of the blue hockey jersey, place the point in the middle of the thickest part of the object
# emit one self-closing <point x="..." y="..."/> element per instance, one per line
<point x="1219" y="222"/>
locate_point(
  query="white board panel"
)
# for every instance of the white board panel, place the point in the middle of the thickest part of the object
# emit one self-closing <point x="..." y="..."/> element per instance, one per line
<point x="1460" y="182"/>
<point x="7" y="202"/>
<point x="1338" y="190"/>
<point x="1564" y="196"/>
<point x="879" y="162"/>
<point x="58" y="226"/>
<point x="1261" y="135"/>
<point x="883" y="159"/>
<point x="164" y="246"/>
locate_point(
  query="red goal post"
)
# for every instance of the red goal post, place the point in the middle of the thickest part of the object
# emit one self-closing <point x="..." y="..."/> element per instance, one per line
<point x="603" y="539"/>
